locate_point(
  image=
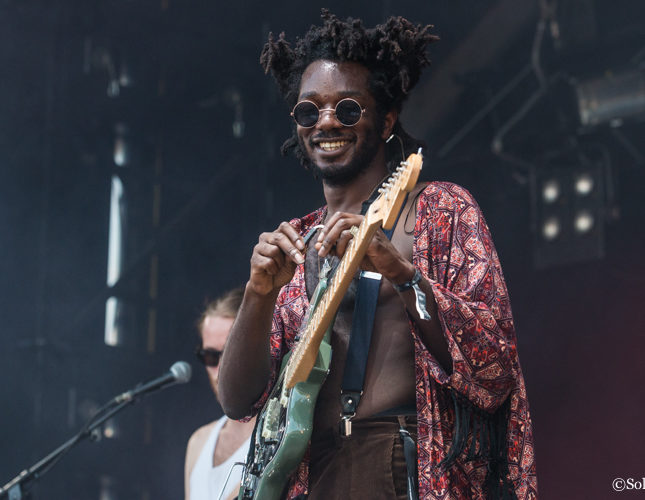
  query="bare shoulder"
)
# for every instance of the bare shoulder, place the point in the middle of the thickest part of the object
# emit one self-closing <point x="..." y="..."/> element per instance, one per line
<point x="199" y="437"/>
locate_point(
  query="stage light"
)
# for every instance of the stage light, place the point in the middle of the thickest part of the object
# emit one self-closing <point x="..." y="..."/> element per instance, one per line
<point x="584" y="221"/>
<point x="551" y="228"/>
<point x="110" y="429"/>
<point x="121" y="154"/>
<point x="116" y="244"/>
<point x="611" y="98"/>
<point x="568" y="208"/>
<point x="584" y="184"/>
<point x="550" y="191"/>
<point x="113" y="314"/>
<point x="116" y="231"/>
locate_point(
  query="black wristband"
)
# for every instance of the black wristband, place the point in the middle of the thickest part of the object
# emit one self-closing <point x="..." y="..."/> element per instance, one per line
<point x="409" y="284"/>
<point x="420" y="297"/>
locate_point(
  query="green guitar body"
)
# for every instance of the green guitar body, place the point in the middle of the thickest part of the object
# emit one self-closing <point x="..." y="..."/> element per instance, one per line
<point x="274" y="458"/>
<point x="295" y="433"/>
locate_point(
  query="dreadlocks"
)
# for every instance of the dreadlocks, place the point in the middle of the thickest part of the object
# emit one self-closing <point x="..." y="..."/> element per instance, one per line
<point x="394" y="53"/>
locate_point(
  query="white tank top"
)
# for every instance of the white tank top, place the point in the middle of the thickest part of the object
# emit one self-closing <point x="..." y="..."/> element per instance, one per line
<point x="206" y="481"/>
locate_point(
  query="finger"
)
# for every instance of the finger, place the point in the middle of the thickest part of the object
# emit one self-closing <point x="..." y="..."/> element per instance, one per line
<point x="271" y="250"/>
<point x="285" y="245"/>
<point x="290" y="232"/>
<point x="332" y="232"/>
<point x="343" y="241"/>
<point x="266" y="265"/>
<point x="333" y="222"/>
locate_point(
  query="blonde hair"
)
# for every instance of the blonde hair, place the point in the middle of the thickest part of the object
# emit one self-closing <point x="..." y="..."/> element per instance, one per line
<point x="226" y="306"/>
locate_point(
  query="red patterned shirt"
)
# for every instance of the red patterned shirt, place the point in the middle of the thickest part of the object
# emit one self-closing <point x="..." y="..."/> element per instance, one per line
<point x="453" y="249"/>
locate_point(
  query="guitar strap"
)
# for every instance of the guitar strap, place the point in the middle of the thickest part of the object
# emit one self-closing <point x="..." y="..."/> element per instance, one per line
<point x="361" y="335"/>
<point x="356" y="362"/>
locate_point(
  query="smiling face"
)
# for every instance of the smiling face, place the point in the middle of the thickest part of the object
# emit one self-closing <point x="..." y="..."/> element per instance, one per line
<point x="339" y="154"/>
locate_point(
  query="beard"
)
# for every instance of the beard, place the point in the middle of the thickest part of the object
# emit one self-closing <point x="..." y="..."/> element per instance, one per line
<point x="341" y="175"/>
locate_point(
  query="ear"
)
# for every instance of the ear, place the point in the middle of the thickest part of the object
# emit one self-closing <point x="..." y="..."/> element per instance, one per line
<point x="388" y="124"/>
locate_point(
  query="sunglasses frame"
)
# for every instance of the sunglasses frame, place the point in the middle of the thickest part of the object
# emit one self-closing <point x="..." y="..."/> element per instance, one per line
<point x="320" y="112"/>
<point x="200" y="353"/>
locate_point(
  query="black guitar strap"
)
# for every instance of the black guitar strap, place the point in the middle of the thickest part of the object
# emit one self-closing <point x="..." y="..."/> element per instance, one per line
<point x="361" y="335"/>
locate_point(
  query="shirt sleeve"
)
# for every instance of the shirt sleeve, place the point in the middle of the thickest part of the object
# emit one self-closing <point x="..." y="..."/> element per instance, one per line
<point x="290" y="309"/>
<point x="276" y="341"/>
<point x="455" y="252"/>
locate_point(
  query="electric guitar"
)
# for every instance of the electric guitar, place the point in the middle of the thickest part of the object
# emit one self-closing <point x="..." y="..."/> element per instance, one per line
<point x="283" y="427"/>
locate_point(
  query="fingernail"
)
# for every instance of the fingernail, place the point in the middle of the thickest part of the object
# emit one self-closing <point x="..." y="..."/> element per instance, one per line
<point x="300" y="244"/>
<point x="300" y="259"/>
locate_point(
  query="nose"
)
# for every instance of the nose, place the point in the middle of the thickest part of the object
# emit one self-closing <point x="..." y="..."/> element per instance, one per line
<point x="327" y="118"/>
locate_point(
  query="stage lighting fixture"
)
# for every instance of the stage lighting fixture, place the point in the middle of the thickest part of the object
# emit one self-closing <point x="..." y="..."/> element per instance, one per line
<point x="550" y="191"/>
<point x="551" y="228"/>
<point x="111" y="429"/>
<point x="568" y="210"/>
<point x="116" y="244"/>
<point x="584" y="184"/>
<point x="121" y="153"/>
<point x="583" y="222"/>
<point x="611" y="98"/>
<point x="113" y="321"/>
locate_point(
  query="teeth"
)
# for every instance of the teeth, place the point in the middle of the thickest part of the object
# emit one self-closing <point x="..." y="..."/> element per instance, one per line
<point x="331" y="146"/>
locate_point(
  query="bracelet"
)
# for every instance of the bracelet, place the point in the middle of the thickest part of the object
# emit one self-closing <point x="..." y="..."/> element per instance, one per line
<point x="420" y="297"/>
<point x="409" y="284"/>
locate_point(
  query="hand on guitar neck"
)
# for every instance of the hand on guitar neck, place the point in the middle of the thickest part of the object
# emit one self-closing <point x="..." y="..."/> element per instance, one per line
<point x="381" y="255"/>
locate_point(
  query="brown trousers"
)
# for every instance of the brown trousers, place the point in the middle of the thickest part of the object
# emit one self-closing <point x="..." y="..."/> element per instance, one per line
<point x="369" y="465"/>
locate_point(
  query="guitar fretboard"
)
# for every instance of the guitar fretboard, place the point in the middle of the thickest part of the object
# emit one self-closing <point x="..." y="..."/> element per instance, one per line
<point x="304" y="356"/>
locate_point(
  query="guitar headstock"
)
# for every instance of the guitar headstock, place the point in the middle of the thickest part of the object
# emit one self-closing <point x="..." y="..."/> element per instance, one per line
<point x="386" y="207"/>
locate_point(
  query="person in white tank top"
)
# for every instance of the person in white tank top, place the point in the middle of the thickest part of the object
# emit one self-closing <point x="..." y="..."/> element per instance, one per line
<point x="213" y="449"/>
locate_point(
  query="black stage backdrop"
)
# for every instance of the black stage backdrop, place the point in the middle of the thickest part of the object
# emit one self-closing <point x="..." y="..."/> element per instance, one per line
<point x="165" y="102"/>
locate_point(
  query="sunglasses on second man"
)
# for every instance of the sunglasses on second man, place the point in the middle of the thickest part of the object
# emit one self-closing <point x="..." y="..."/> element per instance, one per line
<point x="208" y="356"/>
<point x="348" y="112"/>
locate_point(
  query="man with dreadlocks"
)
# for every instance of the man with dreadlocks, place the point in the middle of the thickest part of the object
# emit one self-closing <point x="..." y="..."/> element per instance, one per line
<point x="447" y="373"/>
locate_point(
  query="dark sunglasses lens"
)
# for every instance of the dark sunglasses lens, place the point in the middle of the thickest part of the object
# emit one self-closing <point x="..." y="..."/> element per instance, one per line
<point x="210" y="357"/>
<point x="348" y="112"/>
<point x="305" y="114"/>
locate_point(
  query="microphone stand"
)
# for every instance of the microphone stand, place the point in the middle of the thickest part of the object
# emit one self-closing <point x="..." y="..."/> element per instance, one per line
<point x="13" y="490"/>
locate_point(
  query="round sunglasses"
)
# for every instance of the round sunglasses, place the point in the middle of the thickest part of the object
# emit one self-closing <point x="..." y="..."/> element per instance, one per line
<point x="347" y="111"/>
<point x="208" y="356"/>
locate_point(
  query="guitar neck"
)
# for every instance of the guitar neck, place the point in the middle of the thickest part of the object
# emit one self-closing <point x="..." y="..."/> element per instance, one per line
<point x="304" y="356"/>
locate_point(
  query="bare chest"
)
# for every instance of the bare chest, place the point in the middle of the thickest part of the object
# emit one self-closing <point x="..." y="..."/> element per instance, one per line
<point x="389" y="374"/>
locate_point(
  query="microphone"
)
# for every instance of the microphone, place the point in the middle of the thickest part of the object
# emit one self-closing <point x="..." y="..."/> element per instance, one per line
<point x="179" y="373"/>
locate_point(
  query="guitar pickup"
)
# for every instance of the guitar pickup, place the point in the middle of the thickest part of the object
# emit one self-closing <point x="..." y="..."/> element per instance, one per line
<point x="270" y="427"/>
